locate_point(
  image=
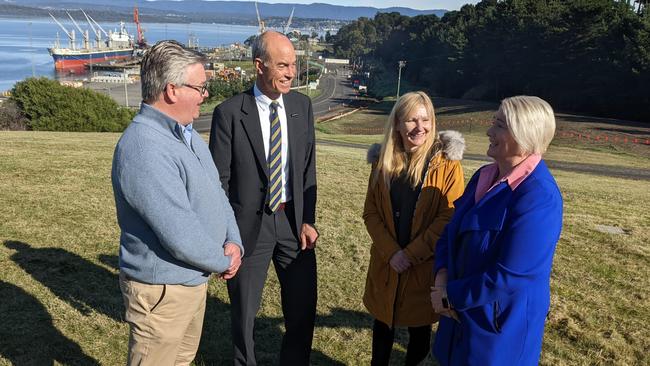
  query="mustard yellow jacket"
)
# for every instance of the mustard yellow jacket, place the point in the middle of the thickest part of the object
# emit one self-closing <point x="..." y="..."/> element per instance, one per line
<point x="403" y="299"/>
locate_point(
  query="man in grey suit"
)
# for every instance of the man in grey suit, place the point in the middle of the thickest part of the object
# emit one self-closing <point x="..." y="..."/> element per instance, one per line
<point x="262" y="142"/>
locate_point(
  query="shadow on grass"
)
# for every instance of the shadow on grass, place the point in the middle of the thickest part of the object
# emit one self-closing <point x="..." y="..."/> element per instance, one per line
<point x="87" y="287"/>
<point x="84" y="285"/>
<point x="216" y="346"/>
<point x="110" y="260"/>
<point x="27" y="335"/>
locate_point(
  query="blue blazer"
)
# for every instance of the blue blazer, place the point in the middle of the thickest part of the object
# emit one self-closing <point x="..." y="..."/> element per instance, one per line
<point x="498" y="254"/>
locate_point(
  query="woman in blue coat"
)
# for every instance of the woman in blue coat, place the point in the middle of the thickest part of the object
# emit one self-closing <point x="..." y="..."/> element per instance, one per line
<point x="493" y="262"/>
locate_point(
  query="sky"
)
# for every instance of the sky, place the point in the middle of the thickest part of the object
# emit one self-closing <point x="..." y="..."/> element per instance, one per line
<point x="413" y="4"/>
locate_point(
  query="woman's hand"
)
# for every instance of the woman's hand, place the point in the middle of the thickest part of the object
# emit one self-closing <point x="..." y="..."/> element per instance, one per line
<point x="441" y="278"/>
<point x="440" y="302"/>
<point x="399" y="262"/>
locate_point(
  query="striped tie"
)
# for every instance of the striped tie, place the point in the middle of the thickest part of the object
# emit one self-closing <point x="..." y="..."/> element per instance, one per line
<point x="275" y="159"/>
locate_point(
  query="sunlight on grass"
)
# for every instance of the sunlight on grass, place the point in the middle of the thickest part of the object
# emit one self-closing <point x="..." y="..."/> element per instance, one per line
<point x="60" y="239"/>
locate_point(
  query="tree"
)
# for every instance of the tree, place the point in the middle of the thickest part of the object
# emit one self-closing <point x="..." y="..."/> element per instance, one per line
<point x="590" y="56"/>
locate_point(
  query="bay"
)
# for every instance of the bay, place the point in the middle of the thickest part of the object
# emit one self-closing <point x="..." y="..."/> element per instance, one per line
<point x="24" y="42"/>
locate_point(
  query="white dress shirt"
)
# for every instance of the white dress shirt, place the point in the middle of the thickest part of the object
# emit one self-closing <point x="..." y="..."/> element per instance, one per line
<point x="263" y="108"/>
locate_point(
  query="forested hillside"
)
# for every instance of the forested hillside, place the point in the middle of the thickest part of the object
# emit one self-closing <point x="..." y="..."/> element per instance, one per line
<point x="590" y="56"/>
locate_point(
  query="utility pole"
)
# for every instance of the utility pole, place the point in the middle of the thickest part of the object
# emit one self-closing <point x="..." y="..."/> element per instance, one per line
<point x="126" y="93"/>
<point x="307" y="59"/>
<point x="31" y="49"/>
<point x="400" y="64"/>
<point x="298" y="69"/>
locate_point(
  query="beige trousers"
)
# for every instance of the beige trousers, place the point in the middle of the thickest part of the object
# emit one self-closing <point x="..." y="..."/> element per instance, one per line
<point x="165" y="322"/>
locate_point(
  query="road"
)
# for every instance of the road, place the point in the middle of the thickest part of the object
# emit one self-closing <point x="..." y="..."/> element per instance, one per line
<point x="336" y="93"/>
<point x="593" y="169"/>
<point x="119" y="93"/>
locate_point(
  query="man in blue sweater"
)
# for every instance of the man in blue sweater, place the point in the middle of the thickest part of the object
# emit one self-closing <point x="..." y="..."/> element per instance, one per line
<point x="176" y="223"/>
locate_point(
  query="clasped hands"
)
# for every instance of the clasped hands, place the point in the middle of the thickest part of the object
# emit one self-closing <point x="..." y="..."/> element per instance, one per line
<point x="399" y="261"/>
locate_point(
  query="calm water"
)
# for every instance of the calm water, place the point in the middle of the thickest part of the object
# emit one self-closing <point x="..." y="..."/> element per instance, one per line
<point x="24" y="42"/>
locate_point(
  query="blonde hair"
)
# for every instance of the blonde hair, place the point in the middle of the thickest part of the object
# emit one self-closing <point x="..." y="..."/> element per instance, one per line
<point x="531" y="122"/>
<point x="394" y="159"/>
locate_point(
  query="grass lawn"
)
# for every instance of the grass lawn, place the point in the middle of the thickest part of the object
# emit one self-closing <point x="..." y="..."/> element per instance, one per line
<point x="312" y="93"/>
<point x="59" y="239"/>
<point x="246" y="65"/>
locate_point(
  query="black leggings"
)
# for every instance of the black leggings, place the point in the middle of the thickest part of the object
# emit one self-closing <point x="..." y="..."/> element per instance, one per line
<point x="382" y="344"/>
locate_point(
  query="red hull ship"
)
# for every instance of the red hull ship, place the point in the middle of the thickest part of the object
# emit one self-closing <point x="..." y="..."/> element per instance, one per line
<point x="119" y="45"/>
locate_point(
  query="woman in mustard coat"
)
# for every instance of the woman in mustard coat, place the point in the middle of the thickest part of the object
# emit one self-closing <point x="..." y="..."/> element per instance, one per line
<point x="416" y="176"/>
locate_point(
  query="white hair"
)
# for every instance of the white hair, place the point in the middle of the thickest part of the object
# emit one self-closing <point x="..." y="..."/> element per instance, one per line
<point x="531" y="122"/>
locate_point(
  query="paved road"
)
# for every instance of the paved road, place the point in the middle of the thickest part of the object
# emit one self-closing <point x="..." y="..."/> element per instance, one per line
<point x="336" y="93"/>
<point x="594" y="169"/>
<point x="117" y="91"/>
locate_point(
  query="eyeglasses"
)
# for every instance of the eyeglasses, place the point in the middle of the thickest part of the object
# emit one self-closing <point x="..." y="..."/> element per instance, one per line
<point x="199" y="88"/>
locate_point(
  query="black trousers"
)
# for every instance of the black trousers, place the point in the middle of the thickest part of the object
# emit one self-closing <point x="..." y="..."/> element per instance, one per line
<point x="296" y="271"/>
<point x="382" y="344"/>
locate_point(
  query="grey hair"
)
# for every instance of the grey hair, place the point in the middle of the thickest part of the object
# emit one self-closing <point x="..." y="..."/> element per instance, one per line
<point x="260" y="46"/>
<point x="166" y="63"/>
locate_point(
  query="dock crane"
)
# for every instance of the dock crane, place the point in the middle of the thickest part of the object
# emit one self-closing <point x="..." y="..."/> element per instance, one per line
<point x="142" y="43"/>
<point x="96" y="24"/>
<point x="70" y="34"/>
<point x="98" y="34"/>
<point x="286" y="26"/>
<point x="259" y="19"/>
<point x="83" y="34"/>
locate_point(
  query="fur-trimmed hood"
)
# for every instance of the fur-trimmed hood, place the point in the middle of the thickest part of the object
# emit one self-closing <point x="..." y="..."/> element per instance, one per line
<point x="453" y="146"/>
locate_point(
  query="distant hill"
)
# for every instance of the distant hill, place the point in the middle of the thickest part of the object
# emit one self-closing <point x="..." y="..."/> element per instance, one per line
<point x="228" y="9"/>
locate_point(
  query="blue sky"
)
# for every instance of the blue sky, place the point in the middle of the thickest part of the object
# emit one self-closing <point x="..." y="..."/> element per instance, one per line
<point x="414" y="4"/>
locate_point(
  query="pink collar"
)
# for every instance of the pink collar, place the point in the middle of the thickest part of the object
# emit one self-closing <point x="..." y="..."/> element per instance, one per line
<point x="514" y="179"/>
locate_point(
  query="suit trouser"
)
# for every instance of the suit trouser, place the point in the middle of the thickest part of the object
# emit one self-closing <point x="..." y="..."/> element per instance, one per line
<point x="296" y="271"/>
<point x="165" y="321"/>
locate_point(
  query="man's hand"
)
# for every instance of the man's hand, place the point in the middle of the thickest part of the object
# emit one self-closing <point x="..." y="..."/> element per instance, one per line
<point x="231" y="250"/>
<point x="400" y="262"/>
<point x="308" y="237"/>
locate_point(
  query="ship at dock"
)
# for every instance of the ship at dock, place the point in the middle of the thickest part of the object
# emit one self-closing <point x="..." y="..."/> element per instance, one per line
<point x="104" y="47"/>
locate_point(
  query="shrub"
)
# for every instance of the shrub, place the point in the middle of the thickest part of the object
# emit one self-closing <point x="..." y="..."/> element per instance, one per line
<point x="221" y="89"/>
<point x="50" y="106"/>
<point x="11" y="117"/>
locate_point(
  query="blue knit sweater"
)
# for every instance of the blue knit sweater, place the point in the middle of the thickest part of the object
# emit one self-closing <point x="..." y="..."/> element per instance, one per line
<point x="174" y="216"/>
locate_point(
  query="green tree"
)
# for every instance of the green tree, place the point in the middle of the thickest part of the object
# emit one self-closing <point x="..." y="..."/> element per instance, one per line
<point x="221" y="89"/>
<point x="590" y="56"/>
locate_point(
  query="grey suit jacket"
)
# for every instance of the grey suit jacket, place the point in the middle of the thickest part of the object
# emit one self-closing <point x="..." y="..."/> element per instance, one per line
<point x="238" y="151"/>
